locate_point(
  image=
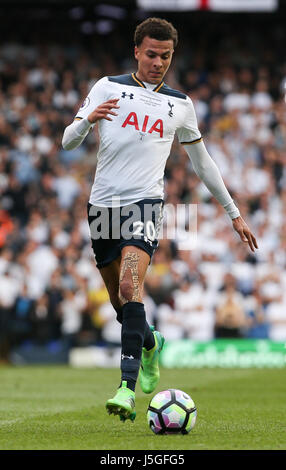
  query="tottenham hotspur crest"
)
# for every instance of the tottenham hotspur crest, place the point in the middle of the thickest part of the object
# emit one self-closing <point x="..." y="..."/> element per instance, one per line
<point x="170" y="113"/>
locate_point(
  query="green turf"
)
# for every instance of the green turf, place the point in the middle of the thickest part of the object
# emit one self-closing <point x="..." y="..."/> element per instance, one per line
<point x="64" y="408"/>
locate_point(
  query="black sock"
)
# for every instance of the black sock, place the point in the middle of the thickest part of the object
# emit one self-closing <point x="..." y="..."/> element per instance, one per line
<point x="119" y="314"/>
<point x="132" y="338"/>
<point x="149" y="341"/>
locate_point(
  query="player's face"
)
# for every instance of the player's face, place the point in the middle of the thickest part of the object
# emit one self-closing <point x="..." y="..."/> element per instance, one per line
<point x="154" y="58"/>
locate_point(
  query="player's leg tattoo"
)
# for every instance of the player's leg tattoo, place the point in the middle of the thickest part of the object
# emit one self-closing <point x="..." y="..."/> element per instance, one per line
<point x="129" y="284"/>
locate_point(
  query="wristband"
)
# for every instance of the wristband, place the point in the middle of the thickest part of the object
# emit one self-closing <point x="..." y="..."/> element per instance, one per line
<point x="232" y="210"/>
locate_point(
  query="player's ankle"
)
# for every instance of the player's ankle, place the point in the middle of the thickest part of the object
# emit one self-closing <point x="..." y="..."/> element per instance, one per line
<point x="128" y="383"/>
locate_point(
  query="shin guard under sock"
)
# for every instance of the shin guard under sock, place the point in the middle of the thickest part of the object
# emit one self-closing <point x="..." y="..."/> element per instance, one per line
<point x="149" y="341"/>
<point x="132" y="338"/>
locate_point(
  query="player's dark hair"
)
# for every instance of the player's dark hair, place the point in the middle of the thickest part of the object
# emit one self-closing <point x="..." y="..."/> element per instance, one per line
<point x="155" y="28"/>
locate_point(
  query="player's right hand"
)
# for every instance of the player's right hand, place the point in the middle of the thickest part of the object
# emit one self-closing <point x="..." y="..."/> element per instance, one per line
<point x="103" y="111"/>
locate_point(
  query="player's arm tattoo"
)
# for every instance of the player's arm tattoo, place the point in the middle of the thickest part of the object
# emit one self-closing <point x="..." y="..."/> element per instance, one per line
<point x="129" y="279"/>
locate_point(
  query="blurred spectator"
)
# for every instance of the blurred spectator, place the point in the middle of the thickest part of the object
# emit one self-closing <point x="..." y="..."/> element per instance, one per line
<point x="54" y="293"/>
<point x="20" y="321"/>
<point x="97" y="298"/>
<point x="195" y="303"/>
<point x="257" y="321"/>
<point x="276" y="318"/>
<point x="161" y="278"/>
<point x="170" y="322"/>
<point x="6" y="227"/>
<point x="9" y="290"/>
<point x="230" y="312"/>
<point x="42" y="321"/>
<point x="110" y="328"/>
<point x="71" y="310"/>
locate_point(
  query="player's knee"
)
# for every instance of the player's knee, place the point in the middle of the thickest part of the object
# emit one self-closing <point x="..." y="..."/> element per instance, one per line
<point x="126" y="290"/>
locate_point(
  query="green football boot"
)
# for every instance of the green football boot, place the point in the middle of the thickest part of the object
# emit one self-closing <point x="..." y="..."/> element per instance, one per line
<point x="123" y="404"/>
<point x="149" y="374"/>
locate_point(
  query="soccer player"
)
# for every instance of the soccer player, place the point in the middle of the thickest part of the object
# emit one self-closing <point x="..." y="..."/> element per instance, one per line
<point x="138" y="116"/>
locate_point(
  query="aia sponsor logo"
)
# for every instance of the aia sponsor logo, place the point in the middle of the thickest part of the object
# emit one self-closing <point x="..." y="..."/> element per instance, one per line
<point x="146" y="126"/>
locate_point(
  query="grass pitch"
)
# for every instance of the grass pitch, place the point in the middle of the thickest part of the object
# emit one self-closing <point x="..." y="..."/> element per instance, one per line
<point x="60" y="408"/>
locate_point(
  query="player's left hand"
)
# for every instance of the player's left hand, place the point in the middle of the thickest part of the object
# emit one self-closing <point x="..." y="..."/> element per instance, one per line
<point x="241" y="227"/>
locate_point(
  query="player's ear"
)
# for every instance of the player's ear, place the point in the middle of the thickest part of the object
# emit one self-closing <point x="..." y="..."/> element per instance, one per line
<point x="136" y="52"/>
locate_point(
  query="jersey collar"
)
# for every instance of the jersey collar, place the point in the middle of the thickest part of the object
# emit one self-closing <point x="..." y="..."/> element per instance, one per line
<point x="140" y="83"/>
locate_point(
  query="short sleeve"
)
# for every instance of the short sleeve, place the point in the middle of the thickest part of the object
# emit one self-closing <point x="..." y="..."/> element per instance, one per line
<point x="96" y="96"/>
<point x="189" y="133"/>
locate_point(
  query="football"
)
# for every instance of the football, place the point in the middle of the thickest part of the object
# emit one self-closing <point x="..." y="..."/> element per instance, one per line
<point x="171" y="411"/>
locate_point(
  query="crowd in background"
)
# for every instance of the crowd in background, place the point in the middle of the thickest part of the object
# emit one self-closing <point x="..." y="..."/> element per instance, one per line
<point x="205" y="286"/>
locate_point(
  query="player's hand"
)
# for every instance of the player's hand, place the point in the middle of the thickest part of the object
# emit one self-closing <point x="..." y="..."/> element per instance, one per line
<point x="244" y="232"/>
<point x="103" y="111"/>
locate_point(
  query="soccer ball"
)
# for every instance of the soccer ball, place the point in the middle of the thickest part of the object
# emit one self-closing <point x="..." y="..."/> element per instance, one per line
<point x="171" y="412"/>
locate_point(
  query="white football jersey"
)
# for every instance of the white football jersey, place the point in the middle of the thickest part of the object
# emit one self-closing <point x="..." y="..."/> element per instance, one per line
<point x="135" y="145"/>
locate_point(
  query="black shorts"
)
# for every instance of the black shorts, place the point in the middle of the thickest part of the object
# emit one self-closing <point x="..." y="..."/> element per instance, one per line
<point x="111" y="229"/>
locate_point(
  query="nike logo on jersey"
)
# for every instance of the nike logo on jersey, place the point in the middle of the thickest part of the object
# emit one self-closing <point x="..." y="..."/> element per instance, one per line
<point x="132" y="120"/>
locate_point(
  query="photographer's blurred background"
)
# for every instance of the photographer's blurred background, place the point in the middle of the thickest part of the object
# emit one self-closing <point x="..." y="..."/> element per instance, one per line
<point x="233" y="67"/>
